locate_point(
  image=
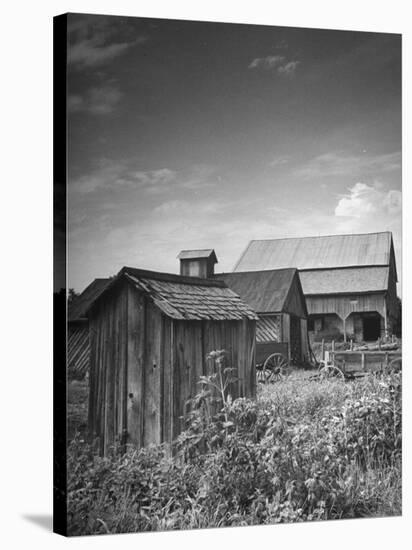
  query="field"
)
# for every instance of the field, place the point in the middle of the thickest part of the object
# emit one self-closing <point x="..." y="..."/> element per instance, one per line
<point x="304" y="450"/>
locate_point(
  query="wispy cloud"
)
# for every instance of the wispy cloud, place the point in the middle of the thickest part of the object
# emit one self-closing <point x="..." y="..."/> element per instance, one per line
<point x="279" y="161"/>
<point x="154" y="180"/>
<point x="277" y="63"/>
<point x="342" y="164"/>
<point x="92" y="41"/>
<point x="289" y="68"/>
<point x="97" y="101"/>
<point x="89" y="53"/>
<point x="112" y="175"/>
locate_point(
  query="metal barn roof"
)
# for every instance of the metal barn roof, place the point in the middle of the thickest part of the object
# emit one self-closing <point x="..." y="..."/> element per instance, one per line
<point x="266" y="291"/>
<point x="80" y="304"/>
<point x="188" y="298"/>
<point x="345" y="281"/>
<point x="317" y="252"/>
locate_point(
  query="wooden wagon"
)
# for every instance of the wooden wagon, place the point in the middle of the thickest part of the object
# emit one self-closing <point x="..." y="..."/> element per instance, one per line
<point x="355" y="364"/>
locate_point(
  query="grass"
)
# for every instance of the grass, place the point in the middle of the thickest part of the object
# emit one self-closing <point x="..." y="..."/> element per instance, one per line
<point x="304" y="450"/>
<point x="77" y="404"/>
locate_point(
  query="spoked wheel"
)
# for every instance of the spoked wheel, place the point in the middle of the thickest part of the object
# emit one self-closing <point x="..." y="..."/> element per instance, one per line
<point x="274" y="368"/>
<point x="331" y="371"/>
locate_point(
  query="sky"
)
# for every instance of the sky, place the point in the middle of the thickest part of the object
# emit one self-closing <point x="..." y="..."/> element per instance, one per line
<point x="189" y="135"/>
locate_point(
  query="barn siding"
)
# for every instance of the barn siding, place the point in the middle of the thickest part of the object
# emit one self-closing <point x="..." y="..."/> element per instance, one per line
<point x="78" y="349"/>
<point x="304" y="339"/>
<point x="391" y="297"/>
<point x="342" y="306"/>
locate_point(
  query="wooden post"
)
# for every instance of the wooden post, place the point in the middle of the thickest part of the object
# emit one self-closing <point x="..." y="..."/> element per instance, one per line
<point x="385" y="318"/>
<point x="363" y="361"/>
<point x="333" y="346"/>
<point x="344" y="329"/>
<point x="351" y="345"/>
<point x="322" y="350"/>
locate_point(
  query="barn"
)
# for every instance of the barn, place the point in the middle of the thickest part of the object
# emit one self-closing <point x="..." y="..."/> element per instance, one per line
<point x="278" y="299"/>
<point x="150" y="334"/>
<point x="78" y="346"/>
<point x="349" y="281"/>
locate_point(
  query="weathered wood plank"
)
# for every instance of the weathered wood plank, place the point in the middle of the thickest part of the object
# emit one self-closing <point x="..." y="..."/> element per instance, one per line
<point x="135" y="360"/>
<point x="152" y="367"/>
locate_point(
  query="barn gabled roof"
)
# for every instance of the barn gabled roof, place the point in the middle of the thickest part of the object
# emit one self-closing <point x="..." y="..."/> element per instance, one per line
<point x="267" y="291"/>
<point x="80" y="304"/>
<point x="367" y="249"/>
<point x="351" y="280"/>
<point x="186" y="298"/>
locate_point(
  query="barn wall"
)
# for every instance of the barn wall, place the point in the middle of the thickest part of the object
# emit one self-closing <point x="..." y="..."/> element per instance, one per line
<point x="269" y="328"/>
<point x="344" y="305"/>
<point x="78" y="349"/>
<point x="304" y="339"/>
<point x="391" y="299"/>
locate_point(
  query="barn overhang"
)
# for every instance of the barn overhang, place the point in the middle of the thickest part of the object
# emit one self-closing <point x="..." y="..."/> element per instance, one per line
<point x="345" y="304"/>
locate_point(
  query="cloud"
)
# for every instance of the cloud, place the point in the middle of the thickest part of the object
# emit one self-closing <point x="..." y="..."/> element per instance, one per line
<point x="365" y="200"/>
<point x="342" y="164"/>
<point x="269" y="62"/>
<point x="288" y="69"/>
<point x="118" y="175"/>
<point x="89" y="53"/>
<point x="279" y="161"/>
<point x="171" y="207"/>
<point x="112" y="175"/>
<point x="371" y="208"/>
<point x="277" y="63"/>
<point x="155" y="180"/>
<point x="92" y="40"/>
<point x="97" y="101"/>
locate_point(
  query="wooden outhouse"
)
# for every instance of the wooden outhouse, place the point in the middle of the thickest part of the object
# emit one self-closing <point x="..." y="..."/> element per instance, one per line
<point x="150" y="334"/>
<point x="277" y="297"/>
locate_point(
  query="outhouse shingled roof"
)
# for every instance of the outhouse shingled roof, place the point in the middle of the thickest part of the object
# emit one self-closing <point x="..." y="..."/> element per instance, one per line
<point x="188" y="298"/>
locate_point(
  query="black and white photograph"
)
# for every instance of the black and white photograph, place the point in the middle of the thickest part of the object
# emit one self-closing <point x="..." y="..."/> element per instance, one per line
<point x="233" y="274"/>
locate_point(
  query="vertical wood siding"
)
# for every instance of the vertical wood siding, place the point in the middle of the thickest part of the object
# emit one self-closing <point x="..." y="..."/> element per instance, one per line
<point x="344" y="305"/>
<point x="144" y="367"/>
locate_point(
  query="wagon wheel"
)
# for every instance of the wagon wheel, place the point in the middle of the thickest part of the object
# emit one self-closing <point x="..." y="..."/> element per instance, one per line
<point x="274" y="368"/>
<point x="331" y="371"/>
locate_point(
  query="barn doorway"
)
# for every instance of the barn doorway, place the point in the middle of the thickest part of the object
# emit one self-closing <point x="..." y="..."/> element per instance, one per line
<point x="371" y="327"/>
<point x="295" y="340"/>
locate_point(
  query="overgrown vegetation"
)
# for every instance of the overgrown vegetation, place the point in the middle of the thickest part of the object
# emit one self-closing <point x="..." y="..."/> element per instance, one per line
<point x="304" y="450"/>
